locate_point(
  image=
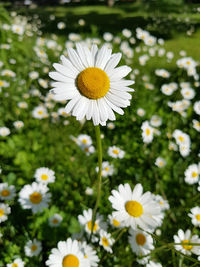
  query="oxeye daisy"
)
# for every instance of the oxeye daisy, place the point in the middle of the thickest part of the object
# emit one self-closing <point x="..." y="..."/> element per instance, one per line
<point x="33" y="248"/>
<point x="4" y="211"/>
<point x="90" y="254"/>
<point x="40" y="112"/>
<point x="116" y="152"/>
<point x="67" y="254"/>
<point x="16" y="263"/>
<point x="34" y="197"/>
<point x="164" y="205"/>
<point x="106" y="241"/>
<point x="147" y="132"/>
<point x="185" y="239"/>
<point x="195" y="216"/>
<point x="107" y="169"/>
<point x="160" y="162"/>
<point x="44" y="175"/>
<point x="7" y="192"/>
<point x="91" y="82"/>
<point x="4" y="131"/>
<point x="192" y="174"/>
<point x="114" y="222"/>
<point x="55" y="220"/>
<point x="141" y="242"/>
<point x="86" y="220"/>
<point x="134" y="208"/>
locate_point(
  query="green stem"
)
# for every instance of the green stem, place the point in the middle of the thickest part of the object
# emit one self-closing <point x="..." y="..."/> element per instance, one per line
<point x="180" y="264"/>
<point x="99" y="178"/>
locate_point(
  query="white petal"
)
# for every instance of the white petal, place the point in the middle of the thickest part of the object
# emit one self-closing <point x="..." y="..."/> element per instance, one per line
<point x="72" y="103"/>
<point x="66" y="62"/>
<point x="112" y="106"/>
<point x="75" y="59"/>
<point x="103" y="56"/>
<point x="121" y="94"/>
<point x="112" y="63"/>
<point x="102" y="109"/>
<point x="95" y="115"/>
<point x="119" y="73"/>
<point x="58" y="77"/>
<point x="65" y="71"/>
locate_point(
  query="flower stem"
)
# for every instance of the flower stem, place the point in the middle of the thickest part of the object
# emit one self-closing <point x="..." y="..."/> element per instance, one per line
<point x="99" y="178"/>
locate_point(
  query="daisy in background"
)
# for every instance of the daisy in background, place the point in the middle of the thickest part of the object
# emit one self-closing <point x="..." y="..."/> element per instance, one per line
<point x="195" y="216"/>
<point x="33" y="248"/>
<point x="89" y="254"/>
<point x="192" y="174"/>
<point x="196" y="125"/>
<point x="44" y="175"/>
<point x="55" y="220"/>
<point x="67" y="254"/>
<point x="141" y="242"/>
<point x="185" y="239"/>
<point x="84" y="140"/>
<point x="197" y="107"/>
<point x="153" y="264"/>
<point x="40" y="112"/>
<point x="147" y="132"/>
<point x="16" y="263"/>
<point x="92" y="83"/>
<point x="115" y="152"/>
<point x="7" y="192"/>
<point x="155" y="121"/>
<point x="133" y="208"/>
<point x="106" y="241"/>
<point x="160" y="162"/>
<point x="18" y="124"/>
<point x="34" y="197"/>
<point x="4" y="131"/>
<point x="113" y="222"/>
<point x="86" y="221"/>
<point x="107" y="169"/>
<point x="164" y="205"/>
<point x="4" y="211"/>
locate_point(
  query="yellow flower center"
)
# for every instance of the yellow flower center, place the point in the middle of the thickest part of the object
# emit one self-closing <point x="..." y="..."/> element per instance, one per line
<point x="5" y="193"/>
<point x="44" y="177"/>
<point x="115" y="151"/>
<point x="89" y="224"/>
<point x="116" y="223"/>
<point x="70" y="261"/>
<point x="34" y="248"/>
<point x="198" y="217"/>
<point x="93" y="83"/>
<point x="147" y="131"/>
<point x="140" y="239"/>
<point x="181" y="138"/>
<point x="134" y="208"/>
<point x="1" y="83"/>
<point x="161" y="202"/>
<point x="106" y="169"/>
<point x="84" y="141"/>
<point x="35" y="198"/>
<point x="194" y="174"/>
<point x="55" y="221"/>
<point x="14" y="265"/>
<point x="105" y="241"/>
<point x="185" y="246"/>
<point x="1" y="212"/>
<point x="40" y="112"/>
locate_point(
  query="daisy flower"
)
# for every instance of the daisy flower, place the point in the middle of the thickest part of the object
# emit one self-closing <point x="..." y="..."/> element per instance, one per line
<point x="67" y="254"/>
<point x="147" y="132"/>
<point x="164" y="205"/>
<point x="195" y="216"/>
<point x="111" y="125"/>
<point x="192" y="174"/>
<point x="33" y="248"/>
<point x="7" y="192"/>
<point x="115" y="152"/>
<point x="92" y="83"/>
<point x="84" y="140"/>
<point x="86" y="220"/>
<point x="197" y="107"/>
<point x="4" y="211"/>
<point x="156" y="121"/>
<point x="160" y="162"/>
<point x="134" y="208"/>
<point x="4" y="131"/>
<point x="55" y="220"/>
<point x="18" y="124"/>
<point x="153" y="264"/>
<point x="40" y="112"/>
<point x="141" y="242"/>
<point x="34" y="197"/>
<point x="44" y="175"/>
<point x="196" y="125"/>
<point x="114" y="222"/>
<point x="140" y="112"/>
<point x="107" y="169"/>
<point x="16" y="263"/>
<point x="184" y="239"/>
<point x="106" y="241"/>
<point x="89" y="254"/>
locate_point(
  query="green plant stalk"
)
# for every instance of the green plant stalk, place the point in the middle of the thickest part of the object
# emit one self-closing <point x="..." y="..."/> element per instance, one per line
<point x="99" y="177"/>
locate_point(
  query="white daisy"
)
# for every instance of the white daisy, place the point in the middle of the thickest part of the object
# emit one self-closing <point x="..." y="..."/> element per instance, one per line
<point x="156" y="121"/>
<point x="164" y="205"/>
<point x="7" y="192"/>
<point x="134" y="208"/>
<point x="18" y="124"/>
<point x="195" y="216"/>
<point x="197" y="107"/>
<point x="86" y="221"/>
<point x="67" y="254"/>
<point x="196" y="125"/>
<point x="192" y="174"/>
<point x="44" y="175"/>
<point x="40" y="112"/>
<point x="115" y="152"/>
<point x="141" y="112"/>
<point x="4" y="131"/>
<point x="107" y="169"/>
<point x="147" y="132"/>
<point x="188" y="93"/>
<point x="33" y="248"/>
<point x="16" y="263"/>
<point x="34" y="197"/>
<point x="84" y="140"/>
<point x="106" y="241"/>
<point x="91" y="82"/>
<point x="141" y="242"/>
<point x="153" y="264"/>
<point x="184" y="239"/>
<point x="4" y="211"/>
<point x="55" y="220"/>
<point x="113" y="222"/>
<point x="90" y="254"/>
<point x="160" y="162"/>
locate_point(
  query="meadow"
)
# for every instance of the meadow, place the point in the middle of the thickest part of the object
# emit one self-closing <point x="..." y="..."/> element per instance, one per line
<point x="49" y="160"/>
